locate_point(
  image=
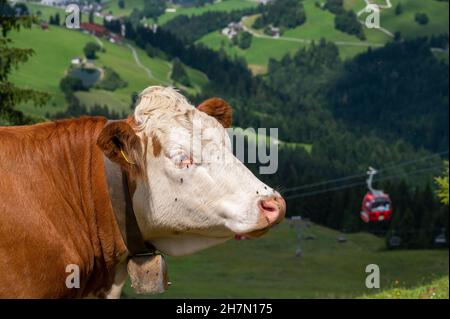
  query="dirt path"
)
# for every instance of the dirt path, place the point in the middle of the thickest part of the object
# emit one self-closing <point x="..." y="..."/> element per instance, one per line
<point x="148" y="72"/>
<point x="139" y="64"/>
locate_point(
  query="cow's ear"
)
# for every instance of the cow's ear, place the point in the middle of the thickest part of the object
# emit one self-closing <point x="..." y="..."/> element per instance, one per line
<point x="219" y="109"/>
<point x="120" y="144"/>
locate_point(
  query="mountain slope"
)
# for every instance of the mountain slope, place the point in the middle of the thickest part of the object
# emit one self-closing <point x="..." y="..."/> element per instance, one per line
<point x="54" y="51"/>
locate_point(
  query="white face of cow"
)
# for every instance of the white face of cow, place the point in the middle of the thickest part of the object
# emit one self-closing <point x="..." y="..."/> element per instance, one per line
<point x="194" y="193"/>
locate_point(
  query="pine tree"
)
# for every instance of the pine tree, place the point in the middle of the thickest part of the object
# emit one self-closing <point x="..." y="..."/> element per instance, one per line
<point x="407" y="230"/>
<point x="425" y="215"/>
<point x="399" y="9"/>
<point x="11" y="57"/>
<point x="179" y="73"/>
<point x="91" y="16"/>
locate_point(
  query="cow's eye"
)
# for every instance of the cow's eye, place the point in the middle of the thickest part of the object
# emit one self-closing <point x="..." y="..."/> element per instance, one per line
<point x="181" y="159"/>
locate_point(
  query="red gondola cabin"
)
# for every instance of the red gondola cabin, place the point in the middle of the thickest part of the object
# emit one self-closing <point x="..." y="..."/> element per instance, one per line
<point x="376" y="207"/>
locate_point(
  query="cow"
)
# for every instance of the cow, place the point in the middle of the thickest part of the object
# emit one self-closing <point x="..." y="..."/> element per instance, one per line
<point x="65" y="185"/>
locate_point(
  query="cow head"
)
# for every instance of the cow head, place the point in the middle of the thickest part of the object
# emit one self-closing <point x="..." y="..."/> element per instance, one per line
<point x="191" y="192"/>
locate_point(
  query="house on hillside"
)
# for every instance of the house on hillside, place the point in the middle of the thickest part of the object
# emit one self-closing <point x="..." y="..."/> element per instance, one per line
<point x="56" y="3"/>
<point x="88" y="7"/>
<point x="115" y="38"/>
<point x="101" y="31"/>
<point x="153" y="27"/>
<point x="232" y="29"/>
<point x="94" y="29"/>
<point x="264" y="1"/>
<point x="76" y="61"/>
<point x="274" y="32"/>
<point x="108" y="17"/>
<point x="44" y="25"/>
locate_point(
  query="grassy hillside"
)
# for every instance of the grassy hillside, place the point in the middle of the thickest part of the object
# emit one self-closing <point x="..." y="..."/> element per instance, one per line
<point x="267" y="267"/>
<point x="47" y="11"/>
<point x="437" y="11"/>
<point x="46" y="67"/>
<point x="112" y="6"/>
<point x="320" y="24"/>
<point x="258" y="54"/>
<point x="224" y="5"/>
<point x="57" y="46"/>
<point x="437" y="289"/>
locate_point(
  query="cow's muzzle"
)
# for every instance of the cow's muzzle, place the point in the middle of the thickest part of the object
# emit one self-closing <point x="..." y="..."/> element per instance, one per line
<point x="272" y="210"/>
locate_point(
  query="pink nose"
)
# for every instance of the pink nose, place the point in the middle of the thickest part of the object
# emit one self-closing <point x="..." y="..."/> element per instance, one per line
<point x="272" y="209"/>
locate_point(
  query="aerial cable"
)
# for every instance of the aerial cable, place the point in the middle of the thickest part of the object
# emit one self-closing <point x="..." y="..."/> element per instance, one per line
<point x="361" y="175"/>
<point x="337" y="188"/>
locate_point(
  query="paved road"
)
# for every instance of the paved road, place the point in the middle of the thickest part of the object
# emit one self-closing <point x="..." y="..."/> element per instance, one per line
<point x="388" y="5"/>
<point x="308" y="41"/>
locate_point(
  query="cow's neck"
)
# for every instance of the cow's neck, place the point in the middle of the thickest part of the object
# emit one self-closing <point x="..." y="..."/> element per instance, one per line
<point x="121" y="196"/>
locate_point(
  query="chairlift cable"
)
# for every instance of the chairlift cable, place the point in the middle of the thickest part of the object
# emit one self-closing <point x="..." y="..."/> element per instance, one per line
<point x="307" y="194"/>
<point x="350" y="177"/>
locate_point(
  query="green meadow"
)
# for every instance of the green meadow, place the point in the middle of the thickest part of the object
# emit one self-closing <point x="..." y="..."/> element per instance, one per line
<point x="260" y="51"/>
<point x="113" y="7"/>
<point x="224" y="6"/>
<point x="54" y="49"/>
<point x="405" y="24"/>
<point x="267" y="268"/>
<point x="44" y="12"/>
<point x="437" y="289"/>
<point x="320" y="24"/>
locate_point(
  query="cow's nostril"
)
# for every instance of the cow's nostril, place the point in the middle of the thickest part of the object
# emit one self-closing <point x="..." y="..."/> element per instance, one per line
<point x="272" y="209"/>
<point x="269" y="206"/>
<point x="269" y="210"/>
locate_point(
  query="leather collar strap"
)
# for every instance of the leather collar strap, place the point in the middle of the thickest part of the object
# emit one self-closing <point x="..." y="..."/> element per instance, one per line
<point x="133" y="237"/>
<point x="125" y="217"/>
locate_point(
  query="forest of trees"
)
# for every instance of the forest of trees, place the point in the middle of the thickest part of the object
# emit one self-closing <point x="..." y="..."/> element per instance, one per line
<point x="154" y="8"/>
<point x="179" y="74"/>
<point x="10" y="58"/>
<point x="387" y="107"/>
<point x="414" y="100"/>
<point x="345" y="21"/>
<point x="197" y="3"/>
<point x="191" y="28"/>
<point x="282" y="13"/>
<point x="243" y="40"/>
<point x="379" y="109"/>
